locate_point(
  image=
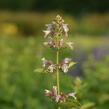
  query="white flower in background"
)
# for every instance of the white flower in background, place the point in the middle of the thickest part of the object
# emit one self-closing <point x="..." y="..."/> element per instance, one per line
<point x="65" y="29"/>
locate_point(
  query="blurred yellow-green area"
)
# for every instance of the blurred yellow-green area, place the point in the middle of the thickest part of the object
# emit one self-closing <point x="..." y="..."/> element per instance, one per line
<point x="21" y="50"/>
<point x="25" y="23"/>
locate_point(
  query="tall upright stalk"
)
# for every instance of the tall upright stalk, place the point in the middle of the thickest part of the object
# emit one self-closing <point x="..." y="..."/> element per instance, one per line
<point x="57" y="71"/>
<point x="55" y="33"/>
<point x="57" y="75"/>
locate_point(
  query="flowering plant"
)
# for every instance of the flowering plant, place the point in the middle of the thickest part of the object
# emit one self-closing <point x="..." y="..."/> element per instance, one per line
<point x="55" y="34"/>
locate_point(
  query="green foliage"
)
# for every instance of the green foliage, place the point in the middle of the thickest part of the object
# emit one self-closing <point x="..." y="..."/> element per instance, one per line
<point x="22" y="88"/>
<point x="97" y="77"/>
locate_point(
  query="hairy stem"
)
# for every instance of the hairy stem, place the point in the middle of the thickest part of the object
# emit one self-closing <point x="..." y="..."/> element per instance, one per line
<point x="57" y="75"/>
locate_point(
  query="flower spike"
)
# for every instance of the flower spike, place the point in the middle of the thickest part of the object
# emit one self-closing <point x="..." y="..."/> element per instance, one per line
<point x="55" y="34"/>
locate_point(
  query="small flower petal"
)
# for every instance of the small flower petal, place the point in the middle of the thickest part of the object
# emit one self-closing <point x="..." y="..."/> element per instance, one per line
<point x="47" y="92"/>
<point x="67" y="60"/>
<point x="54" y="90"/>
<point x="57" y="98"/>
<point x="65" y="29"/>
<point x="65" y="68"/>
<point x="72" y="95"/>
<point x="51" y="68"/>
<point x="61" y="43"/>
<point x="49" y="26"/>
<point x="70" y="44"/>
<point x="47" y="32"/>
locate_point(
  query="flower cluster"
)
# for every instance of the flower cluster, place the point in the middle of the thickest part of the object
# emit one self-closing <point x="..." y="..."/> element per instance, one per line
<point x="64" y="65"/>
<point x="58" y="97"/>
<point x="58" y="45"/>
<point x="55" y="33"/>
<point x="57" y="28"/>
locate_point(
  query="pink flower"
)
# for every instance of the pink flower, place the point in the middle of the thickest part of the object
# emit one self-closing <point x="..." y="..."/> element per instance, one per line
<point x="53" y="94"/>
<point x="67" y="60"/>
<point x="48" y="65"/>
<point x="50" y="42"/>
<point x="51" y="67"/>
<point x="64" y="68"/>
<point x="65" y="64"/>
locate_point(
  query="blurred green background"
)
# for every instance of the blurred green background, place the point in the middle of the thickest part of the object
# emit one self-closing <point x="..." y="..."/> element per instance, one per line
<point x="21" y="50"/>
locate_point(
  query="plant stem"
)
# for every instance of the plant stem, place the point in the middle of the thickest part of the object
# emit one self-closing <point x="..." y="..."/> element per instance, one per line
<point x="57" y="75"/>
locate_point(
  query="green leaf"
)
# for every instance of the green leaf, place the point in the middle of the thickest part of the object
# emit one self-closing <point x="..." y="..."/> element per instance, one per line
<point x="71" y="64"/>
<point x="38" y="70"/>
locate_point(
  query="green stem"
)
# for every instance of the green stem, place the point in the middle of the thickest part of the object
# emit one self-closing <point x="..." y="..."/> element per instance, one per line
<point x="57" y="75"/>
